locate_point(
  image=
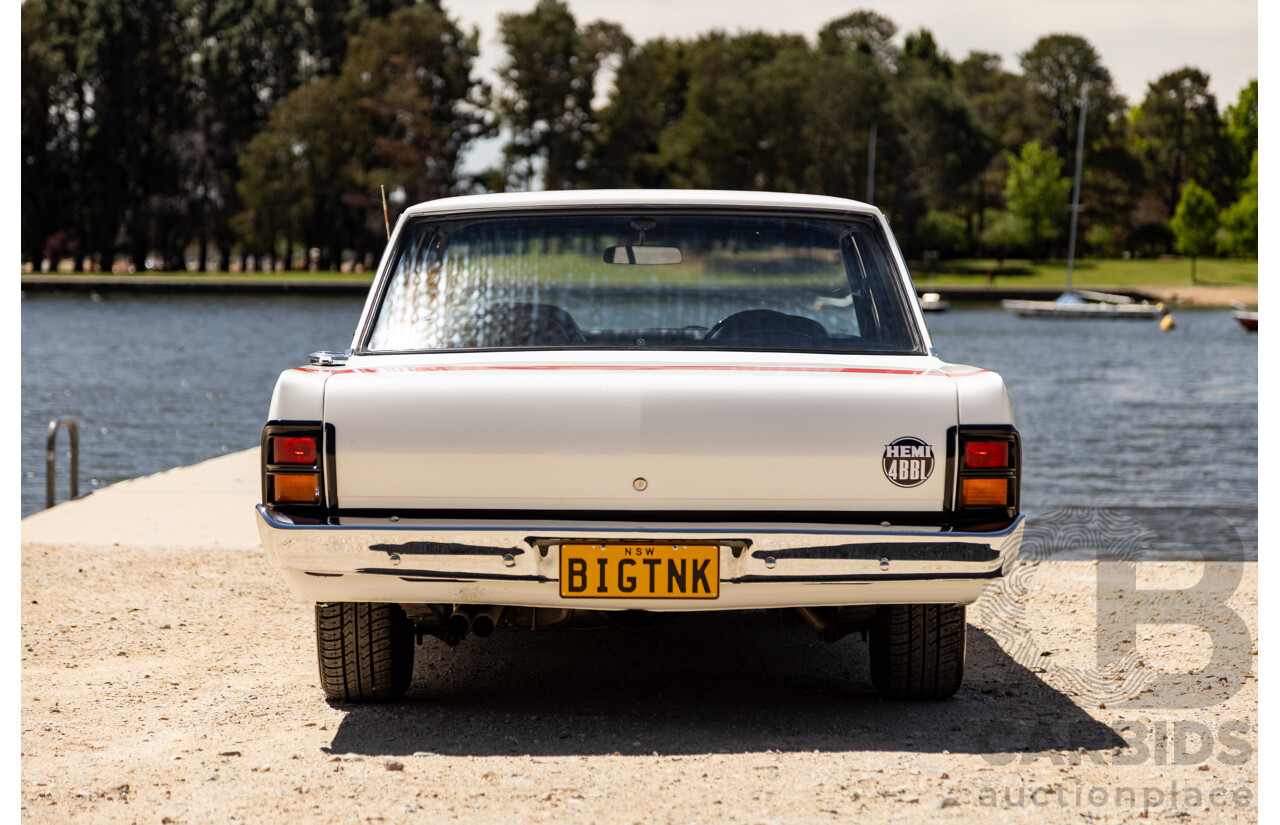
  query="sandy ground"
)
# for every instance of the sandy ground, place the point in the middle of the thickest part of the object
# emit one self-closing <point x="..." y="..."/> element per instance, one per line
<point x="166" y="686"/>
<point x="1204" y="296"/>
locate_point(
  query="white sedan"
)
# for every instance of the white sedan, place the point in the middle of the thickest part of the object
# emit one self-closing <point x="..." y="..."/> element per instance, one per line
<point x="586" y="408"/>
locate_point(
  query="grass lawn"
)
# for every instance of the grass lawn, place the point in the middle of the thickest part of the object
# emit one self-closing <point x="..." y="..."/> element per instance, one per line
<point x="575" y="268"/>
<point x="296" y="275"/>
<point x="1091" y="273"/>
<point x="968" y="272"/>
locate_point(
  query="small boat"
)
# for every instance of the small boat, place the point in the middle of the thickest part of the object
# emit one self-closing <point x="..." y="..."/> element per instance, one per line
<point x="932" y="302"/>
<point x="1247" y="318"/>
<point x="1081" y="303"/>
<point x="1085" y="304"/>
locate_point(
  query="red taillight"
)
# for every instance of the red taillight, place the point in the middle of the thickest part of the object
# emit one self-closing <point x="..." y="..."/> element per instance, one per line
<point x="293" y="465"/>
<point x="293" y="450"/>
<point x="986" y="455"/>
<point x="990" y="462"/>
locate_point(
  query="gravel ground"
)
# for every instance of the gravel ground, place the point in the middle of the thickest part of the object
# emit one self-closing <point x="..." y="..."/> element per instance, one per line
<point x="181" y="687"/>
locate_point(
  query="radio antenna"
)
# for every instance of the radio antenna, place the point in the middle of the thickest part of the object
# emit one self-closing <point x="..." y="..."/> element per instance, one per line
<point x="385" y="220"/>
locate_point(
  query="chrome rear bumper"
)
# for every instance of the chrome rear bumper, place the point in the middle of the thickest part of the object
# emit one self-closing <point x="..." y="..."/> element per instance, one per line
<point x="761" y="565"/>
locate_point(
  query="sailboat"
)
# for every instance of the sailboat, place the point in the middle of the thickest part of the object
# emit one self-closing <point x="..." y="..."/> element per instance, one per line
<point x="1081" y="303"/>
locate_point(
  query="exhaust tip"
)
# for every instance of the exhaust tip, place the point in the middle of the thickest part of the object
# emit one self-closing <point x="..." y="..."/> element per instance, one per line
<point x="486" y="619"/>
<point x="458" y="623"/>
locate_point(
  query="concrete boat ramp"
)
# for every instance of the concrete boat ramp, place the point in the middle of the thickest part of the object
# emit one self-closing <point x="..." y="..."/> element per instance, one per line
<point x="206" y="505"/>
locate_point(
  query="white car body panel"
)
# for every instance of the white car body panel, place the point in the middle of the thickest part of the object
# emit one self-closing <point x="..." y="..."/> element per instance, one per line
<point x="981" y="396"/>
<point x="574" y="432"/>
<point x="298" y="396"/>
<point x="638" y="198"/>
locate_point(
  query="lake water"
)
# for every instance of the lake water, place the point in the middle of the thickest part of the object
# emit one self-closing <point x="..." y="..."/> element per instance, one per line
<point x="1157" y="427"/>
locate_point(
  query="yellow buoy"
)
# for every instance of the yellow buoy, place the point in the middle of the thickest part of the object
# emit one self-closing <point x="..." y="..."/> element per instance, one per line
<point x="1167" y="323"/>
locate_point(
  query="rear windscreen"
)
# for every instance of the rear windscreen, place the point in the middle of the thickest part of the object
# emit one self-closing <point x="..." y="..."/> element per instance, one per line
<point x="644" y="280"/>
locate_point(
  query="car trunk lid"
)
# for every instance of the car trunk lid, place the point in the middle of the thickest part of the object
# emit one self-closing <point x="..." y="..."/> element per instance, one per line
<point x="589" y="435"/>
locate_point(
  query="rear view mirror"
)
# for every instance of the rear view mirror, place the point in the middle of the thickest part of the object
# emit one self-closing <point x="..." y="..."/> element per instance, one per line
<point x="642" y="255"/>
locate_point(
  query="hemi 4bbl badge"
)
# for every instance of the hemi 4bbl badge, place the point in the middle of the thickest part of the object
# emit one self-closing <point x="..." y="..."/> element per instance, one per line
<point x="908" y="462"/>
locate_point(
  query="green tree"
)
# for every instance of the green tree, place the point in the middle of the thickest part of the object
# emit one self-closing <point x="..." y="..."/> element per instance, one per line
<point x="753" y="110"/>
<point x="1036" y="192"/>
<point x="275" y="187"/>
<point x="250" y="57"/>
<point x="939" y="146"/>
<point x="1179" y="131"/>
<point x="102" y="99"/>
<point x="1005" y="235"/>
<point x="408" y="82"/>
<point x="46" y="132"/>
<point x="843" y="96"/>
<point x="942" y="231"/>
<point x="1195" y="223"/>
<point x="771" y="101"/>
<point x="401" y="112"/>
<point x="1113" y="179"/>
<point x="61" y="203"/>
<point x="294" y="173"/>
<point x="810" y="116"/>
<point x="550" y="75"/>
<point x="1241" y="123"/>
<point x="1240" y="131"/>
<point x="1102" y="241"/>
<point x="1242" y="118"/>
<point x="137" y="112"/>
<point x="721" y="140"/>
<point x="921" y="48"/>
<point x="1239" y="234"/>
<point x="862" y="32"/>
<point x="328" y="25"/>
<point x="651" y="88"/>
<point x="1055" y="68"/>
<point x="1001" y="101"/>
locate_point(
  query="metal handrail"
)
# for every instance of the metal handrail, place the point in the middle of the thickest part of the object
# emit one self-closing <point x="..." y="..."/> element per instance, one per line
<point x="50" y="455"/>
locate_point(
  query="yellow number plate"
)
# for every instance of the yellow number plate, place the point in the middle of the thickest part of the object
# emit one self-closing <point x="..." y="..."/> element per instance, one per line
<point x="639" y="571"/>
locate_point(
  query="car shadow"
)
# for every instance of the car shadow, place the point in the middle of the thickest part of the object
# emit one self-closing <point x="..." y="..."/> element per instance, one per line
<point x="708" y="683"/>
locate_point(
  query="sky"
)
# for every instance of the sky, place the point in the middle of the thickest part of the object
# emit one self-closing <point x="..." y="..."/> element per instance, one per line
<point x="1138" y="40"/>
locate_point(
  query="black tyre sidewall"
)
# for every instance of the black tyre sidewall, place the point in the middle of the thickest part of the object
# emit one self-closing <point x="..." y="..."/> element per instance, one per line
<point x="364" y="651"/>
<point x="918" y="650"/>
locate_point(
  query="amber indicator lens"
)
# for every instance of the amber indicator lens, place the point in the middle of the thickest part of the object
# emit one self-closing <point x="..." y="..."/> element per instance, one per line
<point x="296" y="489"/>
<point x="293" y="450"/>
<point x="984" y="492"/>
<point x="986" y="455"/>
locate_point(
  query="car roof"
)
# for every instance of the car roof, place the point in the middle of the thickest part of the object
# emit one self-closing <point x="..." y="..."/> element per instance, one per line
<point x="639" y="198"/>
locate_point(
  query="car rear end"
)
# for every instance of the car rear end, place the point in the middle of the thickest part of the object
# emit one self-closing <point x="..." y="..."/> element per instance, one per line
<point x="762" y="427"/>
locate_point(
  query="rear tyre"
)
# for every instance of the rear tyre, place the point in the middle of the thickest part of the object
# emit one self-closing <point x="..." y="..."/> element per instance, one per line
<point x="365" y="651"/>
<point x="917" y="650"/>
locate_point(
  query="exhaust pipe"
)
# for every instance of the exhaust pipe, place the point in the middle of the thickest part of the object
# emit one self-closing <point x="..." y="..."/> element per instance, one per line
<point x="459" y="621"/>
<point x="826" y="630"/>
<point x="486" y="619"/>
